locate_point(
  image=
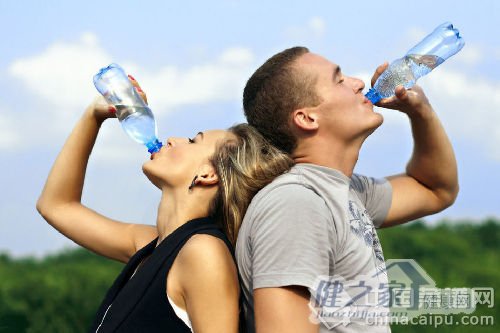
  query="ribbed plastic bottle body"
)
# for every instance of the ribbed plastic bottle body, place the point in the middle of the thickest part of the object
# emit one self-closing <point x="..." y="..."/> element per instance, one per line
<point x="405" y="72"/>
<point x="443" y="42"/>
<point x="134" y="115"/>
<point x="432" y="51"/>
<point x="138" y="122"/>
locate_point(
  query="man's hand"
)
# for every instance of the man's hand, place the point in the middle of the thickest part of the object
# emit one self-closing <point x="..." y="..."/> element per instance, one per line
<point x="430" y="183"/>
<point x="410" y="101"/>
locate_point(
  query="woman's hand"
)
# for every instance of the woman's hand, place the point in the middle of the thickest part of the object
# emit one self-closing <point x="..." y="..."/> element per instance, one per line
<point x="100" y="110"/>
<point x="60" y="202"/>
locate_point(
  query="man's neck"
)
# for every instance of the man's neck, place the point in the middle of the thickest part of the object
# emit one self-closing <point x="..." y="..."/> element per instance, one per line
<point x="341" y="157"/>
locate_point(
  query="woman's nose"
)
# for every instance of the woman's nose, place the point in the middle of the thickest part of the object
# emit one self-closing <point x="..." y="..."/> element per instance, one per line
<point x="170" y="142"/>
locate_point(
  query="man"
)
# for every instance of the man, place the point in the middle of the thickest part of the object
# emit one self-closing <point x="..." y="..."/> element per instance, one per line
<point x="319" y="219"/>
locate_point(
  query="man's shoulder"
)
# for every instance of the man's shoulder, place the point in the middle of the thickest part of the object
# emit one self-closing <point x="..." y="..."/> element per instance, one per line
<point x="361" y="183"/>
<point x="285" y="187"/>
<point x="287" y="194"/>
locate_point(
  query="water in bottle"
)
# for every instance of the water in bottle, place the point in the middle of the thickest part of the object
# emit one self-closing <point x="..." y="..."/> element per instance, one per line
<point x="134" y="115"/>
<point x="432" y="51"/>
<point x="138" y="122"/>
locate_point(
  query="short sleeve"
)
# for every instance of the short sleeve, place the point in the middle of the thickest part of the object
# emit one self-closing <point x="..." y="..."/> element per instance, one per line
<point x="376" y="195"/>
<point x="291" y="238"/>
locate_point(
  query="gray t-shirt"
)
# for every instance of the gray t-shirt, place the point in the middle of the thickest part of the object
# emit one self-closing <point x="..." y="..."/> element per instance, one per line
<point x="310" y="222"/>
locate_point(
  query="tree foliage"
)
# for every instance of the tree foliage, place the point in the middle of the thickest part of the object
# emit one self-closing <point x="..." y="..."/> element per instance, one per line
<point x="455" y="255"/>
<point x="61" y="292"/>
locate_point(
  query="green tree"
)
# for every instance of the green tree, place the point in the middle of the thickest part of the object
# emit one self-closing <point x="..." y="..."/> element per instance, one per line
<point x="61" y="292"/>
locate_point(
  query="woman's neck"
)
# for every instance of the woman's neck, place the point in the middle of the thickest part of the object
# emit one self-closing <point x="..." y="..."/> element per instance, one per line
<point x="175" y="209"/>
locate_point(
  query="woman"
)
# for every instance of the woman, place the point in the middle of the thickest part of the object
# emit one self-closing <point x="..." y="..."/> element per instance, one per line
<point x="180" y="276"/>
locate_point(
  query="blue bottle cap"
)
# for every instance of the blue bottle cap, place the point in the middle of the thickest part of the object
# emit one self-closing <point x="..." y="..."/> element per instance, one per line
<point x="373" y="96"/>
<point x="154" y="146"/>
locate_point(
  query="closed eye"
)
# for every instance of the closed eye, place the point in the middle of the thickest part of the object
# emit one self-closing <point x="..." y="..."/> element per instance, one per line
<point x="191" y="140"/>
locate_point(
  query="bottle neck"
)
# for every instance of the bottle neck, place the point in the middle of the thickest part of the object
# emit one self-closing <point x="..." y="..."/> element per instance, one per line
<point x="154" y="146"/>
<point x="373" y="95"/>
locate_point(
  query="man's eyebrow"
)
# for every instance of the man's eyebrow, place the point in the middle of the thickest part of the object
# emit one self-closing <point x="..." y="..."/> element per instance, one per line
<point x="201" y="134"/>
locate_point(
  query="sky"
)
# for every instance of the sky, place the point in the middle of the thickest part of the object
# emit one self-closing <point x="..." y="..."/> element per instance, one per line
<point x="193" y="58"/>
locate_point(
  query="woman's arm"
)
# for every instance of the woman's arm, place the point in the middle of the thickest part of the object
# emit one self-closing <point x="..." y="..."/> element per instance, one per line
<point x="60" y="201"/>
<point x="208" y="279"/>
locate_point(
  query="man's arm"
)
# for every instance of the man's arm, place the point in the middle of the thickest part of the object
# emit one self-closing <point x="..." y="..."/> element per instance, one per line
<point x="292" y="247"/>
<point x="430" y="183"/>
<point x="283" y="309"/>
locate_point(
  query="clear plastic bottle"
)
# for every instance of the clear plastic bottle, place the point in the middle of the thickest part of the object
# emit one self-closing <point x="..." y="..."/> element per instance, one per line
<point x="431" y="52"/>
<point x="133" y="113"/>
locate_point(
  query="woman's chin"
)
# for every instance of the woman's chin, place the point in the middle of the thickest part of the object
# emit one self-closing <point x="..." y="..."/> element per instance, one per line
<point x="145" y="169"/>
<point x="150" y="175"/>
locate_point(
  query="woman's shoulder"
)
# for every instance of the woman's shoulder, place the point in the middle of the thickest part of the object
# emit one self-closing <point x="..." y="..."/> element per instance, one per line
<point x="205" y="251"/>
<point x="205" y="262"/>
<point x="207" y="278"/>
<point x="206" y="256"/>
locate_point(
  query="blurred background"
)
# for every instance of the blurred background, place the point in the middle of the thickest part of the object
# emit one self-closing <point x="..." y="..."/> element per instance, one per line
<point x="193" y="58"/>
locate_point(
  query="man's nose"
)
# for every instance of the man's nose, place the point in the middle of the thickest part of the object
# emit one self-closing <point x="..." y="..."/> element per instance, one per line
<point x="357" y="84"/>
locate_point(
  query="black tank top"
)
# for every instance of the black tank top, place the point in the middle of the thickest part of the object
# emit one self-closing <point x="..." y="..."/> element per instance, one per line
<point x="140" y="304"/>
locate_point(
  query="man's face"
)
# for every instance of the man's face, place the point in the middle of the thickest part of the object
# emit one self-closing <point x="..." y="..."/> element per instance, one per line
<point x="343" y="112"/>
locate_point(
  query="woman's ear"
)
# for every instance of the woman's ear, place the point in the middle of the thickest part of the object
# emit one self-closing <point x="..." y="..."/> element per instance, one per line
<point x="306" y="119"/>
<point x="207" y="176"/>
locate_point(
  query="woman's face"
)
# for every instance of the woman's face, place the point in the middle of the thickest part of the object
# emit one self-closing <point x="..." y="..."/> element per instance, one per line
<point x="181" y="159"/>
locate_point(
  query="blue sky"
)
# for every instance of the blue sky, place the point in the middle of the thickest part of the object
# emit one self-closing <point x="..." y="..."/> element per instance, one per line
<point x="193" y="58"/>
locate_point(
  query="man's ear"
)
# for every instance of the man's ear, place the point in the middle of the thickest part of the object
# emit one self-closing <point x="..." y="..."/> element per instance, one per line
<point x="207" y="175"/>
<point x="306" y="119"/>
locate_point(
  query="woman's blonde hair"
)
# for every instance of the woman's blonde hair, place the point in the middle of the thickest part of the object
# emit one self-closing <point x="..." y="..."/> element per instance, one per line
<point x="244" y="165"/>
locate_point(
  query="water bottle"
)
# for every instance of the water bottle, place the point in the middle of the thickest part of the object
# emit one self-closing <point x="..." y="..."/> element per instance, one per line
<point x="133" y="113"/>
<point x="431" y="52"/>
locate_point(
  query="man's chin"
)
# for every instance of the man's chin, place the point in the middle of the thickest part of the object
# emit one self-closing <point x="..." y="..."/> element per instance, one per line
<point x="378" y="121"/>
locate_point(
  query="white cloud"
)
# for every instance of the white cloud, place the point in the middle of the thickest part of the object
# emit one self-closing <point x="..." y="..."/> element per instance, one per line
<point x="470" y="55"/>
<point x="237" y="56"/>
<point x="315" y="28"/>
<point x="10" y="136"/>
<point x="414" y="36"/>
<point x="115" y="146"/>
<point x="220" y="80"/>
<point x="61" y="75"/>
<point x="468" y="107"/>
